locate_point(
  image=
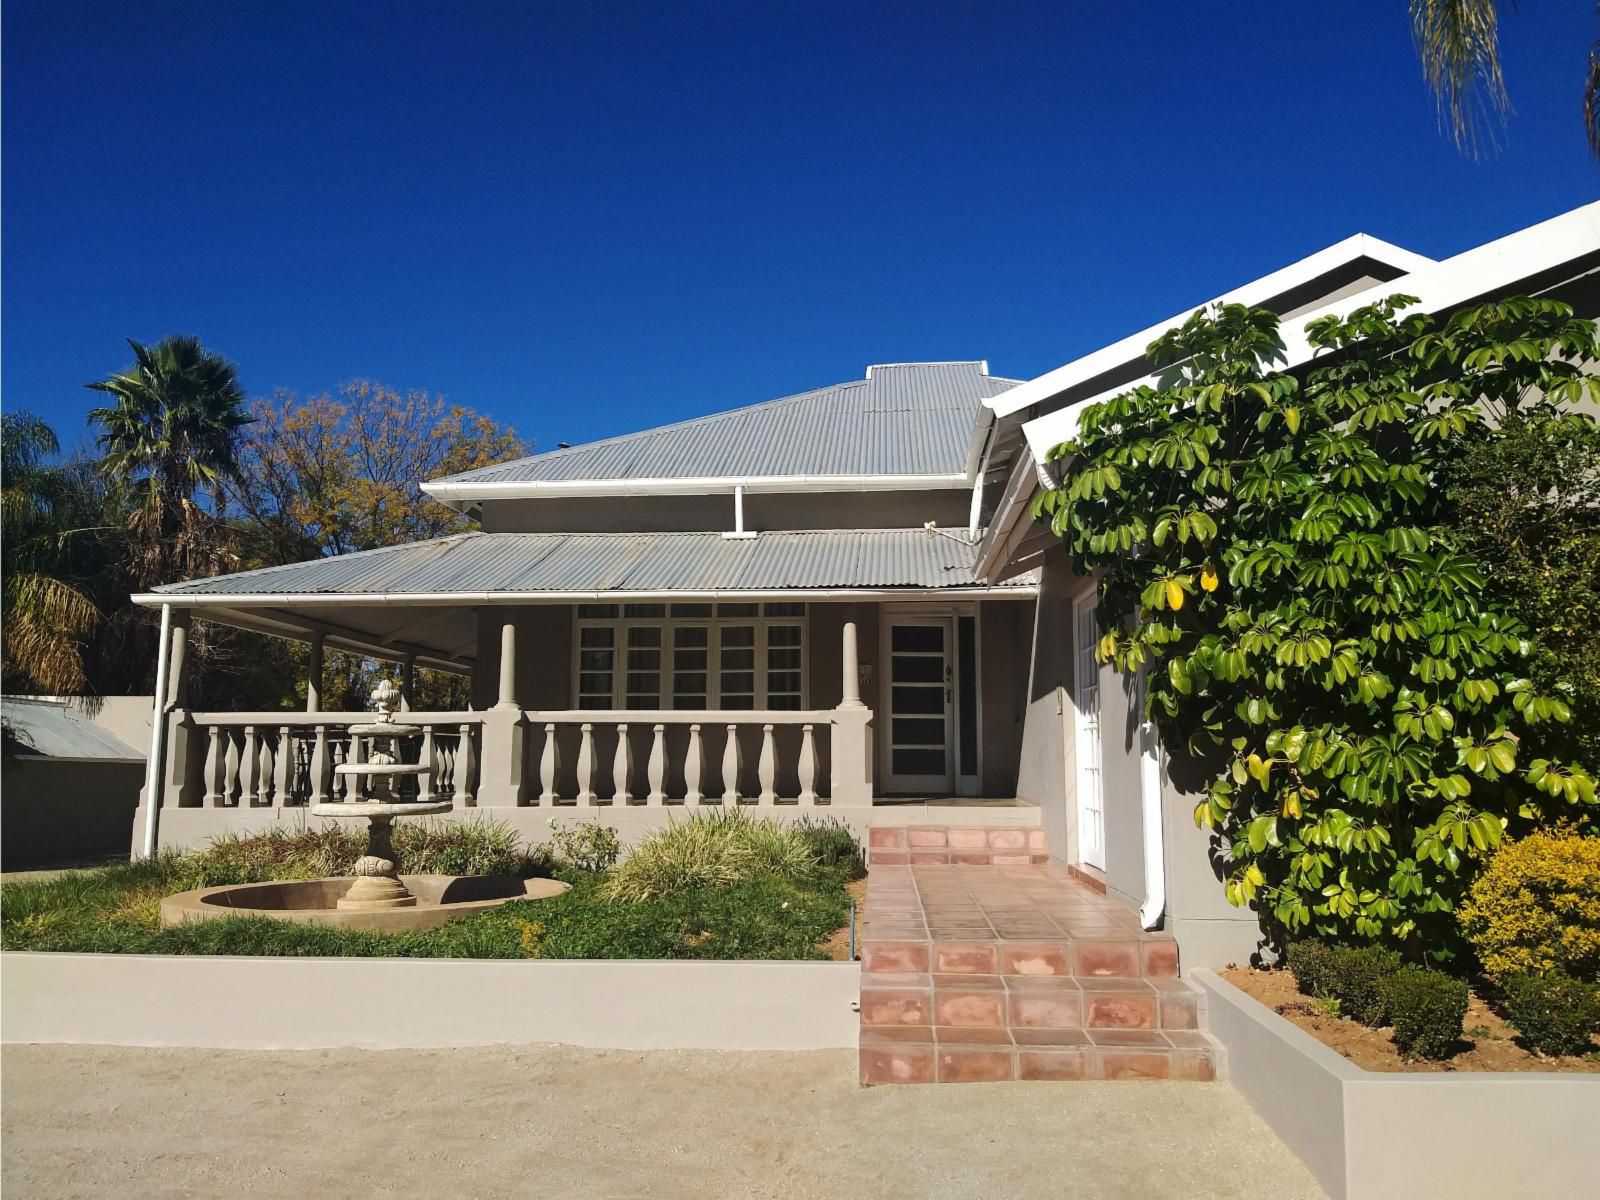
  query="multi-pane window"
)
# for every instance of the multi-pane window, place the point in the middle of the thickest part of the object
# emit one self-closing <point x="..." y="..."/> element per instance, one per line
<point x="739" y="656"/>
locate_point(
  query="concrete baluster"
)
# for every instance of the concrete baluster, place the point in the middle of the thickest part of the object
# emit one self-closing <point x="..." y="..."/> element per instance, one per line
<point x="656" y="768"/>
<point x="428" y="757"/>
<point x="693" y="768"/>
<point x="622" y="769"/>
<point x="466" y="764"/>
<point x="807" y="768"/>
<point x="216" y="763"/>
<point x="767" y="768"/>
<point x="321" y="767"/>
<point x="586" y="764"/>
<point x="732" y="764"/>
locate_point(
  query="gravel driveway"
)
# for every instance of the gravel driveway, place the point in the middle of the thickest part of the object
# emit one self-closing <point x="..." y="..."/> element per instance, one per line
<point x="553" y="1121"/>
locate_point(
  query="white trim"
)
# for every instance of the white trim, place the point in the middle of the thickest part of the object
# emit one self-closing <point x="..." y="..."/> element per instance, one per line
<point x="1155" y="852"/>
<point x="1132" y="347"/>
<point x="1089" y="735"/>
<point x="1438" y="286"/>
<point x="466" y="491"/>
<point x="1020" y="591"/>
<point x="154" y="766"/>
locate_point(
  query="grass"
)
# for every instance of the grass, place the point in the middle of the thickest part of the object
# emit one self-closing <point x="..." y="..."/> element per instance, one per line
<point x="781" y="908"/>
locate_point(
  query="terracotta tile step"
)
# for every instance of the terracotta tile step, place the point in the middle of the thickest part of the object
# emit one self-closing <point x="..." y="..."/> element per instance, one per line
<point x="902" y="845"/>
<point x="938" y="1055"/>
<point x="959" y="946"/>
<point x="912" y="999"/>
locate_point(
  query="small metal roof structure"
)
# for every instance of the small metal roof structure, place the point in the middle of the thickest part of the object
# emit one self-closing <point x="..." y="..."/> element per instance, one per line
<point x="52" y="729"/>
<point x="420" y="598"/>
<point x="903" y="425"/>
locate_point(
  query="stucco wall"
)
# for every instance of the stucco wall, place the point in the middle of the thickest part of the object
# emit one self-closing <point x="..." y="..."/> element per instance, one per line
<point x="1005" y="630"/>
<point x="1045" y="756"/>
<point x="762" y="511"/>
<point x="61" y="811"/>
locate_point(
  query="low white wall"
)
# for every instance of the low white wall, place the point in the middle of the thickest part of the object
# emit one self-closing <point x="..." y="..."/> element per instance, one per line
<point x="1369" y="1135"/>
<point x="317" y="1003"/>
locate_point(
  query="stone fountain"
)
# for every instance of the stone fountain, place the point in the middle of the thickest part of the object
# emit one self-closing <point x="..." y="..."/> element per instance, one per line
<point x="374" y="779"/>
<point x="377" y="898"/>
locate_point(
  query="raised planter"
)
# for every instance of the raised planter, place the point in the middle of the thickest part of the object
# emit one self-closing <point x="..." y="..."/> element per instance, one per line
<point x="390" y="1003"/>
<point x="1370" y="1135"/>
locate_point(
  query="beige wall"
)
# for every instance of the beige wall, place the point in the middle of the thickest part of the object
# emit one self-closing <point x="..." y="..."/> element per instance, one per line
<point x="62" y="811"/>
<point x="762" y="511"/>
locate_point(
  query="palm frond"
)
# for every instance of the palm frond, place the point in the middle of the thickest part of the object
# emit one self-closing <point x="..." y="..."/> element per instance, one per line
<point x="1459" y="43"/>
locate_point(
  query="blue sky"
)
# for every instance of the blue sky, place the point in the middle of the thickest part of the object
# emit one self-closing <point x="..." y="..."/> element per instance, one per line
<point x="591" y="218"/>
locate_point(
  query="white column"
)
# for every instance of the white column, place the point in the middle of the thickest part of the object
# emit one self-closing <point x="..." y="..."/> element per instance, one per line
<point x="408" y="682"/>
<point x="850" y="697"/>
<point x="508" y="664"/>
<point x="158" y="736"/>
<point x="314" y="673"/>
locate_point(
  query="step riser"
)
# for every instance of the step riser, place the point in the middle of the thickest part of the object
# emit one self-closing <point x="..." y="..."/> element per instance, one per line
<point x="1155" y="959"/>
<point x="929" y="1063"/>
<point x="900" y="845"/>
<point x="898" y="1008"/>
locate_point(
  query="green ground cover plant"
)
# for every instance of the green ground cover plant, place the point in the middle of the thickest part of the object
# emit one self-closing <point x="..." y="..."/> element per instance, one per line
<point x="760" y="915"/>
<point x="1340" y="664"/>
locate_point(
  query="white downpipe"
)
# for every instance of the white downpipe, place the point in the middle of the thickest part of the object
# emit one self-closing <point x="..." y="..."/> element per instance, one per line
<point x="1155" y="846"/>
<point x="158" y="736"/>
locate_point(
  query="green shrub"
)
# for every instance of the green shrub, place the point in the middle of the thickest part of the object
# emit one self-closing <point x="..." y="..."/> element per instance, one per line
<point x="1357" y="978"/>
<point x="831" y="841"/>
<point x="710" y="850"/>
<point x="1427" y="1009"/>
<point x="586" y="846"/>
<point x="425" y="847"/>
<point x="1536" y="907"/>
<point x="1312" y="964"/>
<point x="1555" y="1013"/>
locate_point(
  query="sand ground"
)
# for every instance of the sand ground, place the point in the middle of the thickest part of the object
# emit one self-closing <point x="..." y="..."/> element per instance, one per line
<point x="556" y="1121"/>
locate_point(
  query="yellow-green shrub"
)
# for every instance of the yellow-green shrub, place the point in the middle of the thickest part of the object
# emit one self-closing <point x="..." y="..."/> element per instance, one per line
<point x="1536" y="907"/>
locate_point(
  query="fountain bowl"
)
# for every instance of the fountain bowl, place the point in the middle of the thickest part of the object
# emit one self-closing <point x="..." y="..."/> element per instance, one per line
<point x="440" y="899"/>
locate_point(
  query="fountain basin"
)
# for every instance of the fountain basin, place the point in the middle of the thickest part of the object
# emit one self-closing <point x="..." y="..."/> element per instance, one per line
<point x="440" y="899"/>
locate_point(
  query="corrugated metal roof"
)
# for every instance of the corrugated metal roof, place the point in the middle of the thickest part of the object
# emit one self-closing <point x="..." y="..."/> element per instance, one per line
<point x="902" y="419"/>
<point x="630" y="562"/>
<point x="49" y="729"/>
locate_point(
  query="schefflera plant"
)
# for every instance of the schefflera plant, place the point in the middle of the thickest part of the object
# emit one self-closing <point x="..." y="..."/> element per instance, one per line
<point x="1276" y="553"/>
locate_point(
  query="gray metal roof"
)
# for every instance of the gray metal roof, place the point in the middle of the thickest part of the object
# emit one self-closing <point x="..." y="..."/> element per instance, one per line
<point x="623" y="562"/>
<point x="902" y="419"/>
<point x="49" y="729"/>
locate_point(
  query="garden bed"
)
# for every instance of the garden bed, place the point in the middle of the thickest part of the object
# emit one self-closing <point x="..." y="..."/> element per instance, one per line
<point x="1488" y="1044"/>
<point x="787" y="900"/>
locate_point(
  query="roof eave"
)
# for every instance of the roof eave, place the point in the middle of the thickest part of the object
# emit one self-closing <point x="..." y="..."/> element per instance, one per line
<point x="466" y="493"/>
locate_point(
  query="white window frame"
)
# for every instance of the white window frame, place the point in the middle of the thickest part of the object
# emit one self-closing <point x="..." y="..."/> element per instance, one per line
<point x="714" y="624"/>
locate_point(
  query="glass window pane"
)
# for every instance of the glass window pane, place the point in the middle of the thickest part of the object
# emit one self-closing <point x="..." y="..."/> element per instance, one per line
<point x="738" y="610"/>
<point x="918" y="731"/>
<point x="595" y="701"/>
<point x="783" y="635"/>
<point x="597" y="635"/>
<point x="597" y="610"/>
<point x="917" y="699"/>
<point x="738" y="683"/>
<point x="916" y="670"/>
<point x="918" y="762"/>
<point x="738" y="660"/>
<point x="738" y="635"/>
<point x="691" y="635"/>
<point x="928" y="639"/>
<point x="738" y="702"/>
<point x="644" y="635"/>
<point x="784" y="703"/>
<point x="691" y="610"/>
<point x="786" y="610"/>
<point x="644" y="610"/>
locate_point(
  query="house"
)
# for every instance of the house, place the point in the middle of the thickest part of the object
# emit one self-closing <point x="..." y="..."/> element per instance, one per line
<point x="69" y="778"/>
<point x="834" y="600"/>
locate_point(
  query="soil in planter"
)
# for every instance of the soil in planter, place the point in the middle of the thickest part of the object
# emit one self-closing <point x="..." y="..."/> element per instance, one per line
<point x="838" y="946"/>
<point x="1488" y="1043"/>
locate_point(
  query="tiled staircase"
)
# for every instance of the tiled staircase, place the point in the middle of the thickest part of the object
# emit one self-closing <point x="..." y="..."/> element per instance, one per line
<point x="976" y="972"/>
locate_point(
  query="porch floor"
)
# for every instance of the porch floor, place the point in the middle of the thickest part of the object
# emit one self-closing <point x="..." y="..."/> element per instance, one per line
<point x="982" y="973"/>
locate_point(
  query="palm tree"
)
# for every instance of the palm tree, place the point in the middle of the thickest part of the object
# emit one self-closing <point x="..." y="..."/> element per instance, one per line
<point x="44" y="511"/>
<point x="172" y="431"/>
<point x="1459" y="42"/>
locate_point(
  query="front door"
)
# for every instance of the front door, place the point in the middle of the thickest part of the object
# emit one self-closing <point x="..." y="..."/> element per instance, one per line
<point x="921" y="705"/>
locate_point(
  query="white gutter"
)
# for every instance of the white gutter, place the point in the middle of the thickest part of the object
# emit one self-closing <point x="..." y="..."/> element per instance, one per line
<point x="1132" y="348"/>
<point x="158" y="736"/>
<point x="1444" y="285"/>
<point x="1155" y="841"/>
<point x="466" y="491"/>
<point x="345" y="599"/>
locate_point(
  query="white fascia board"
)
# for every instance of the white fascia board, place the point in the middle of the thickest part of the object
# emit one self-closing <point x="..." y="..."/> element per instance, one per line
<point x="1438" y="286"/>
<point x="521" y="489"/>
<point x="1132" y="347"/>
<point x="446" y="599"/>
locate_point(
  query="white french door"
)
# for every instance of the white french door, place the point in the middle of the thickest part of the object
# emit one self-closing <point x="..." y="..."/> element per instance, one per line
<point x="921" y="702"/>
<point x="1086" y="705"/>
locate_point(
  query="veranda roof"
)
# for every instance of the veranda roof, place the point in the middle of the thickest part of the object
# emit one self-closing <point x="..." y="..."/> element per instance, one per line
<point x="420" y="598"/>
